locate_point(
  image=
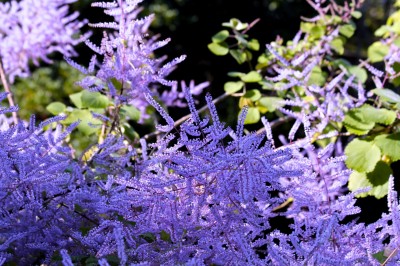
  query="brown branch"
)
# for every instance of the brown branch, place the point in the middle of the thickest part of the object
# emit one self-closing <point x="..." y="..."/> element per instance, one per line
<point x="390" y="256"/>
<point x="8" y="90"/>
<point x="277" y="122"/>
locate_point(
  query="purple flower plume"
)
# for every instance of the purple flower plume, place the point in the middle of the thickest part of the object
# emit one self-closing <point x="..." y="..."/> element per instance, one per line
<point x="31" y="30"/>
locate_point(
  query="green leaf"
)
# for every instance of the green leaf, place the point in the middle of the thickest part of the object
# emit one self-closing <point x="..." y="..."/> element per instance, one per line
<point x="396" y="67"/>
<point x="377" y="179"/>
<point x="382" y="30"/>
<point x="381" y="116"/>
<point x="377" y="51"/>
<point x="252" y="76"/>
<point x="244" y="102"/>
<point x="238" y="55"/>
<point x="232" y="87"/>
<point x="253" y="95"/>
<point x="149" y="237"/>
<point x="306" y="26"/>
<point x="236" y="74"/>
<point x="338" y="45"/>
<point x="76" y="99"/>
<point x="347" y="30"/>
<point x="130" y="132"/>
<point x="253" y="44"/>
<point x="317" y="31"/>
<point x="236" y="24"/>
<point x="387" y="95"/>
<point x="130" y="111"/>
<point x="219" y="49"/>
<point x="356" y="14"/>
<point x="253" y="116"/>
<point x="249" y="55"/>
<point x="389" y="145"/>
<point x="220" y="36"/>
<point x="93" y="100"/>
<point x="85" y="117"/>
<point x="360" y="73"/>
<point x="341" y="62"/>
<point x="271" y="103"/>
<point x="380" y="256"/>
<point x="165" y="236"/>
<point x="317" y="77"/>
<point x="355" y="122"/>
<point x="56" y="108"/>
<point x="362" y="155"/>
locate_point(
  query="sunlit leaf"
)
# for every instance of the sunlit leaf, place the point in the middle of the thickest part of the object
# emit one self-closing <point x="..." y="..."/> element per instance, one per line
<point x="377" y="52"/>
<point x="238" y="55"/>
<point x="253" y="95"/>
<point x="389" y="145"/>
<point x="253" y="116"/>
<point x="387" y="95"/>
<point x="232" y="87"/>
<point x="377" y="180"/>
<point x="56" y="108"/>
<point x="271" y="103"/>
<point x="93" y="100"/>
<point x="362" y="155"/>
<point x="347" y="30"/>
<point x="252" y="76"/>
<point x="220" y="36"/>
<point x="218" y="48"/>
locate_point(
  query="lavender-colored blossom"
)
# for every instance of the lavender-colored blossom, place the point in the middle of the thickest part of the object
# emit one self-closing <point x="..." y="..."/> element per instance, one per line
<point x="174" y="98"/>
<point x="31" y="30"/>
<point x="128" y="59"/>
<point x="204" y="194"/>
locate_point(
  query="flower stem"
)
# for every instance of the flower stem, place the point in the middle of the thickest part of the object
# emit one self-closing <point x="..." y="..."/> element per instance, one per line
<point x="9" y="93"/>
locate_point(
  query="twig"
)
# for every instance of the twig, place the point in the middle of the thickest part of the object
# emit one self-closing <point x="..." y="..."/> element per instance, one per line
<point x="9" y="93"/>
<point x="251" y="25"/>
<point x="312" y="140"/>
<point x="275" y="123"/>
<point x="390" y="256"/>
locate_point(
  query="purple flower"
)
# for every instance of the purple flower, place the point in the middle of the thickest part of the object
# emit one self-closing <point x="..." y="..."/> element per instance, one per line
<point x="32" y="30"/>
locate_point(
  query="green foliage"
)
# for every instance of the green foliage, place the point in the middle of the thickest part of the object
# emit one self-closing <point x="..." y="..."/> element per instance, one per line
<point x="253" y="116"/>
<point x="251" y="77"/>
<point x="56" y="108"/>
<point x="46" y="85"/>
<point x="235" y="24"/>
<point x="347" y="30"/>
<point x="94" y="100"/>
<point x="219" y="48"/>
<point x="375" y="124"/>
<point x="220" y="36"/>
<point x="388" y="96"/>
<point x="271" y="103"/>
<point x="376" y="180"/>
<point x="377" y="52"/>
<point x="241" y="48"/>
<point x="362" y="155"/>
<point x="317" y="77"/>
<point x="361" y="120"/>
<point x="232" y="87"/>
<point x="389" y="144"/>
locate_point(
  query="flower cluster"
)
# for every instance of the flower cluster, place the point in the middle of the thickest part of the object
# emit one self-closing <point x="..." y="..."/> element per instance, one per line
<point x="32" y="30"/>
<point x="129" y="70"/>
<point x="202" y="193"/>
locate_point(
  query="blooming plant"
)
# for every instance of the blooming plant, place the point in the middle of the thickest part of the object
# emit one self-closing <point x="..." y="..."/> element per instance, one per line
<point x="196" y="191"/>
